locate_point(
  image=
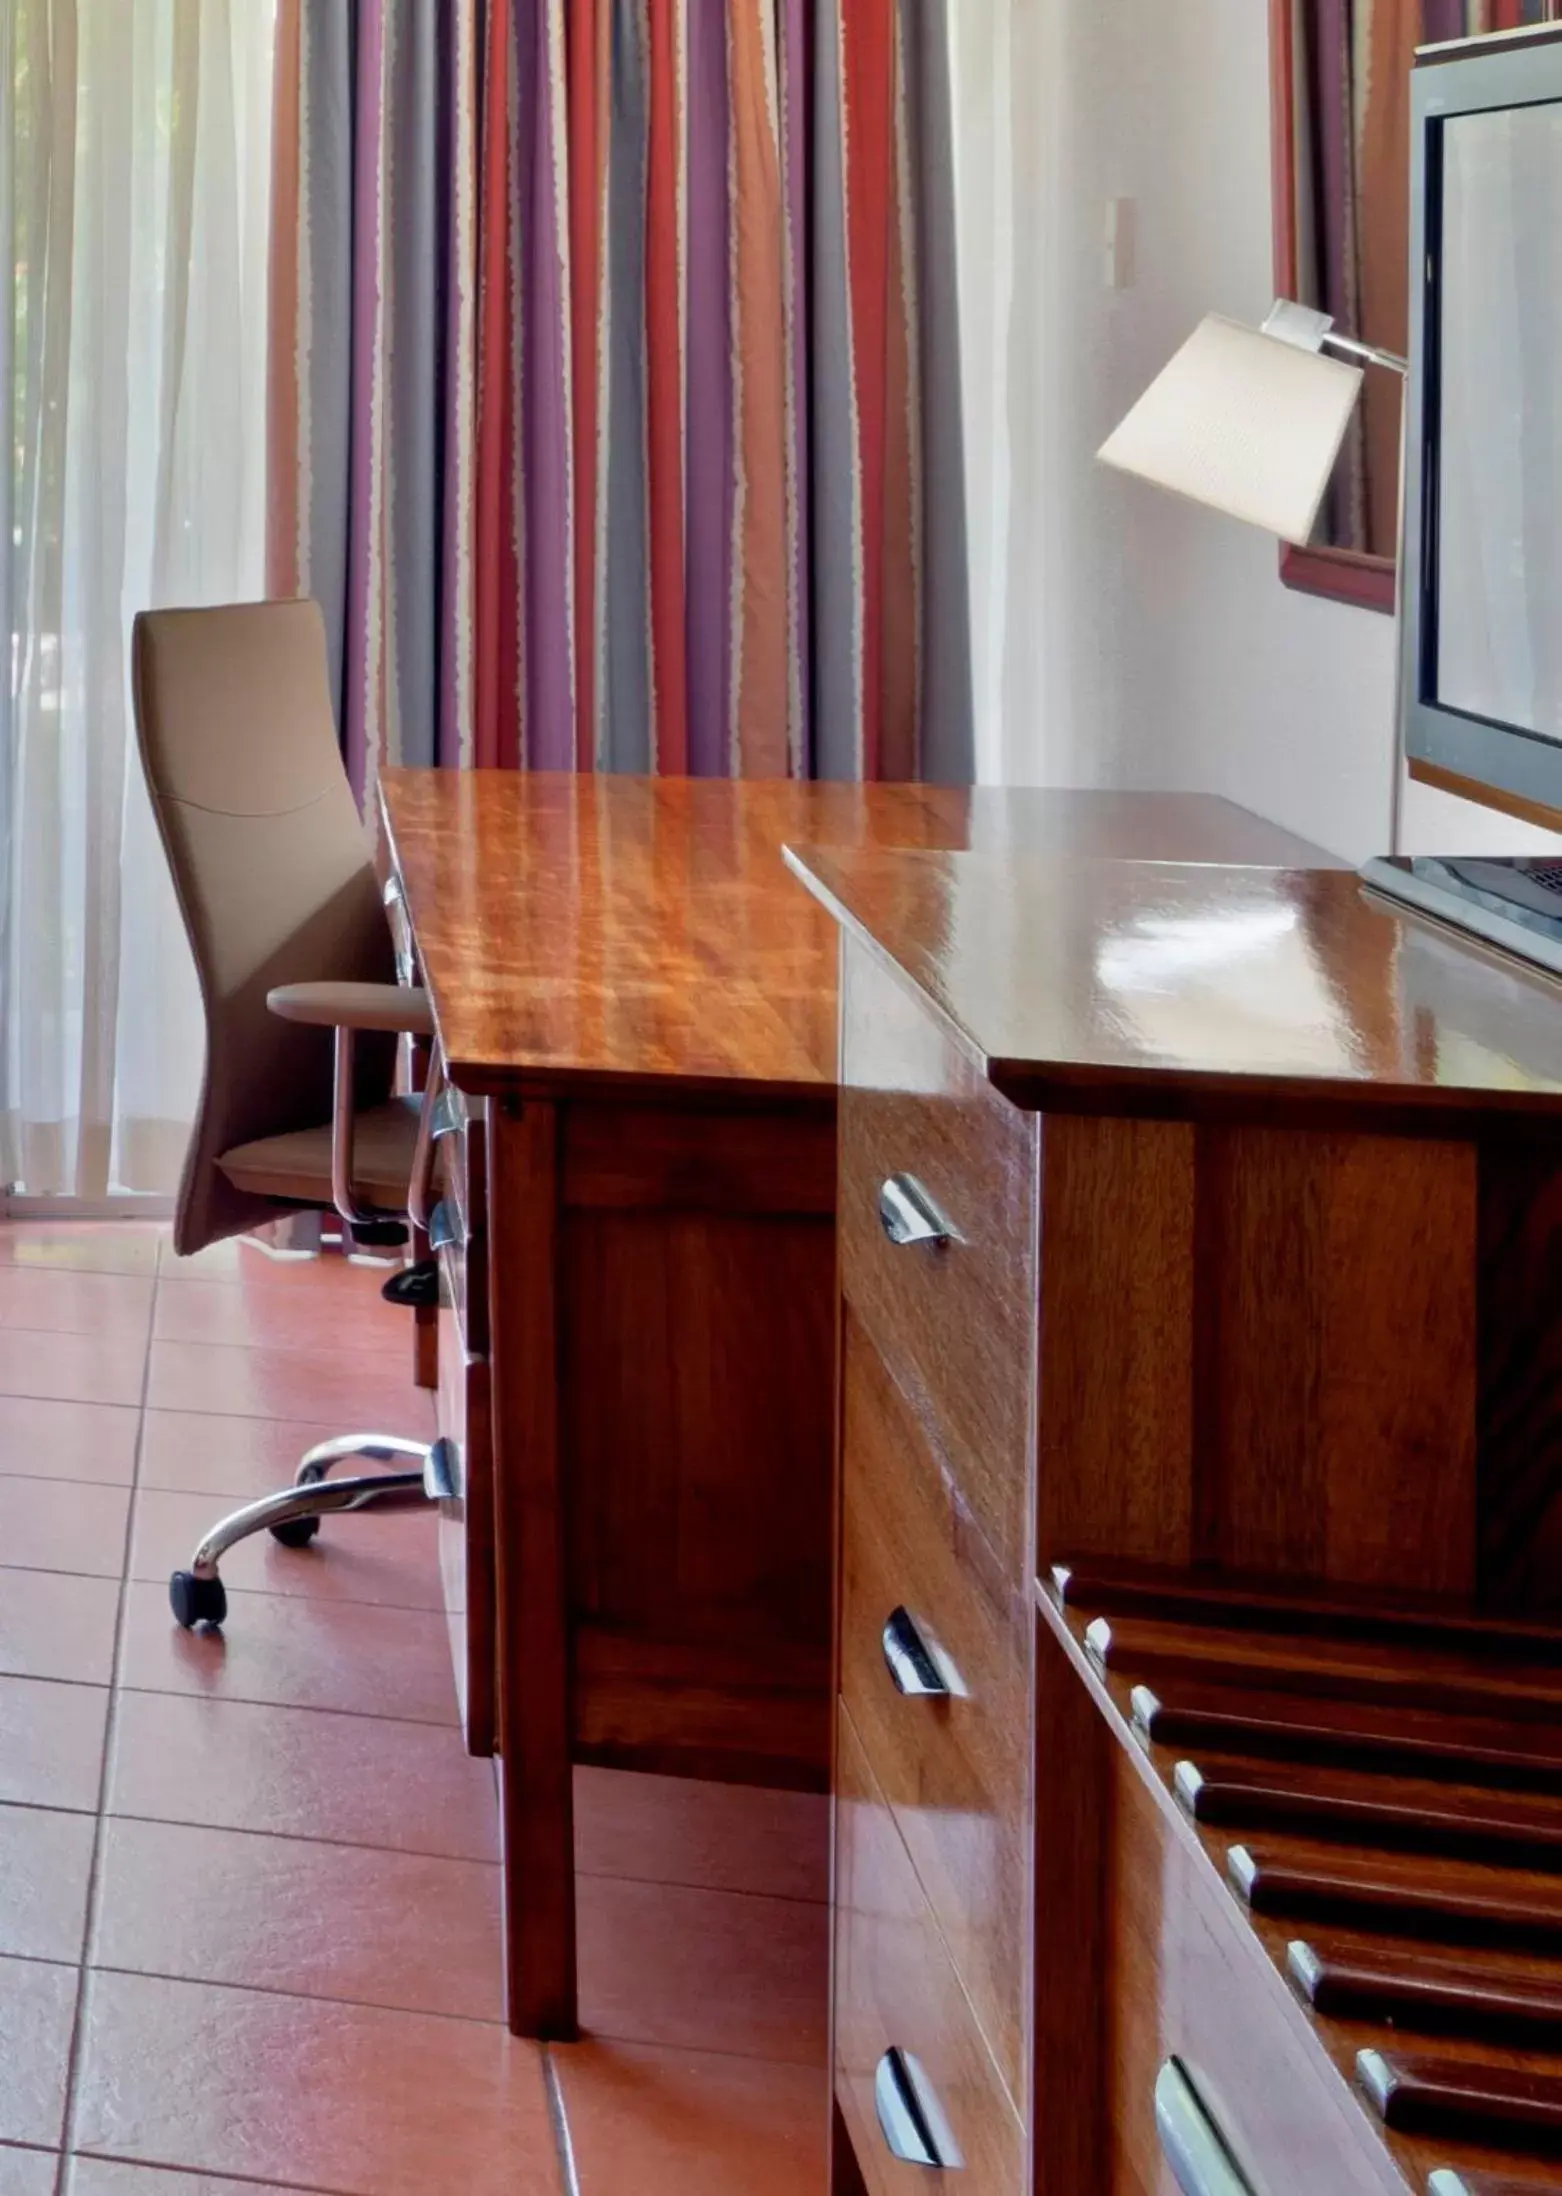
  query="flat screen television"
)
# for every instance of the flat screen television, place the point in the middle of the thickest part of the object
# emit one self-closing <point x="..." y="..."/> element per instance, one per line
<point x="1481" y="592"/>
<point x="1482" y="626"/>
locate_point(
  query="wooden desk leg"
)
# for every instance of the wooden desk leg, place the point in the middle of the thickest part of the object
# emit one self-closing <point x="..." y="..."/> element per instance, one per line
<point x="537" y="1809"/>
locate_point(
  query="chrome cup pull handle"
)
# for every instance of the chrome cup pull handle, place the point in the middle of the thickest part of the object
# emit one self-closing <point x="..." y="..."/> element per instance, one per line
<point x="444" y="1227"/>
<point x="912" y="1666"/>
<point x="908" y="1215"/>
<point x="911" y="2119"/>
<point x="1194" y="2148"/>
<point x="442" y="1471"/>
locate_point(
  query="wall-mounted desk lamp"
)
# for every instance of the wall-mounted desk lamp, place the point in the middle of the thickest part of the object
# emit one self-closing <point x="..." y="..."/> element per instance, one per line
<point x="1249" y="421"/>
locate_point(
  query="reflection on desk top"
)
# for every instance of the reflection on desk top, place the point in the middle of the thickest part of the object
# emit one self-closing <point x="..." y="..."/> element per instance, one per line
<point x="596" y="929"/>
<point x="1161" y="989"/>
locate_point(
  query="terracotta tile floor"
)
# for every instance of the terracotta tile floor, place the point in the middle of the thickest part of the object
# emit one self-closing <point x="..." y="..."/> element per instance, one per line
<point x="248" y="1890"/>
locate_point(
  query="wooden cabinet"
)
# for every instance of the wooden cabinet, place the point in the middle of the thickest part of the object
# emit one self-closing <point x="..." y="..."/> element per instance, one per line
<point x="638" y="1008"/>
<point x="1197" y="1375"/>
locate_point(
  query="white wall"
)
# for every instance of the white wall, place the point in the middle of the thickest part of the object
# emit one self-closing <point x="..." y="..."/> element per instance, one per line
<point x="1148" y="642"/>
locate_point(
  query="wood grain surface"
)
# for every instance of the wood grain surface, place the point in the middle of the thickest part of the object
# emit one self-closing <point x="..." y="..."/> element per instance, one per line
<point x="1194" y="991"/>
<point x="604" y="929"/>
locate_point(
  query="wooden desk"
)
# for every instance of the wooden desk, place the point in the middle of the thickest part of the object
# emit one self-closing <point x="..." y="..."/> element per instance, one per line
<point x="638" y="1007"/>
<point x="1201" y="1535"/>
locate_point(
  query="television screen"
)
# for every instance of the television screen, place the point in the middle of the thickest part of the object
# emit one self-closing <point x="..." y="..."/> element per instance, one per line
<point x="1497" y="569"/>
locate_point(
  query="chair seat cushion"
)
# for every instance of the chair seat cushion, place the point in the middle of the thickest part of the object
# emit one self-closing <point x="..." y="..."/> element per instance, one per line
<point x="297" y="1166"/>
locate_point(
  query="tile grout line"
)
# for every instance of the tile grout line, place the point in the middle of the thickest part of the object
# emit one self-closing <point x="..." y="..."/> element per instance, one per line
<point x="392" y="1852"/>
<point x="253" y="1593"/>
<point x="73" y="2062"/>
<point x="199" y="2178"/>
<point x="93" y="1940"/>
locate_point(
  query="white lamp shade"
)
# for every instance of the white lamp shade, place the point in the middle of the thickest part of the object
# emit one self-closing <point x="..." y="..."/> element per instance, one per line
<point x="1242" y="421"/>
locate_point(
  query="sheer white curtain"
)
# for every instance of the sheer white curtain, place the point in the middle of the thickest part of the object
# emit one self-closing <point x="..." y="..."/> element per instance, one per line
<point x="134" y="196"/>
<point x="1029" y="283"/>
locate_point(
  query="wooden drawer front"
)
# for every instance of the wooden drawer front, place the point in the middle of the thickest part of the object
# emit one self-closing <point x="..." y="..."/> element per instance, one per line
<point x="466" y="1532"/>
<point x="956" y="1320"/>
<point x="954" y="1769"/>
<point x="895" y="1990"/>
<point x="1190" y="1983"/>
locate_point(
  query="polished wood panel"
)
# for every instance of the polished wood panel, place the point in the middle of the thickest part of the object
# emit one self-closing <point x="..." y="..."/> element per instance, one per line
<point x="1115" y="1454"/>
<point x="1385" y="1734"/>
<point x="581" y="931"/>
<point x="1189" y="992"/>
<point x="1259" y="1351"/>
<point x="701" y="1708"/>
<point x="1073" y="2027"/>
<point x="1337" y="1372"/>
<point x="1412" y="1989"/>
<point x="955" y="1771"/>
<point x="894" y="1987"/>
<point x="695" y="1366"/>
<point x="1374" y="1810"/>
<point x="1122" y="1894"/>
<point x="1520" y="1342"/>
<point x="535" y="1785"/>
<point x="956" y="1320"/>
<point x="1319" y="1667"/>
<point x="1431" y="1963"/>
<point x="1440" y="1901"/>
<point x="1425" y="2095"/>
<point x="1187" y="1983"/>
<point x="623" y="1158"/>
<point x="1222" y="1601"/>
<point x="1451" y="1678"/>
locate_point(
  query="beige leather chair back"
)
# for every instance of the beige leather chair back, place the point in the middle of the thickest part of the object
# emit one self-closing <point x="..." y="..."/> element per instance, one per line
<point x="273" y="871"/>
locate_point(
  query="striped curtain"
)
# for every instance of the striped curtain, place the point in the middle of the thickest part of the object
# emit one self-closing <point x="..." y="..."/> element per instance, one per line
<point x="615" y="403"/>
<point x="1352" y="82"/>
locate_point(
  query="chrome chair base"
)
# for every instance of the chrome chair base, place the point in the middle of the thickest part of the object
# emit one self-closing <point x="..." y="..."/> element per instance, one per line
<point x="292" y="1516"/>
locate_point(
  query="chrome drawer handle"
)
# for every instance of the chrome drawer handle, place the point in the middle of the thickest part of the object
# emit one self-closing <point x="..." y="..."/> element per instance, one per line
<point x="911" y="2118"/>
<point x="444" y="1227"/>
<point x="910" y="1660"/>
<point x="442" y="1471"/>
<point x="1194" y="2148"/>
<point x="449" y="1114"/>
<point x="908" y="1215"/>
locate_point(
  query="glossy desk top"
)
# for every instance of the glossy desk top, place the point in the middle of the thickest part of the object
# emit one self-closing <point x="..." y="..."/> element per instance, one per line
<point x="603" y="930"/>
<point x="1167" y="989"/>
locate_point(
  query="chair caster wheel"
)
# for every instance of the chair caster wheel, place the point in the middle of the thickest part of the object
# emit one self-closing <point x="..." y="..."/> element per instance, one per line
<point x="298" y="1532"/>
<point x="197" y="1600"/>
<point x="415" y="1287"/>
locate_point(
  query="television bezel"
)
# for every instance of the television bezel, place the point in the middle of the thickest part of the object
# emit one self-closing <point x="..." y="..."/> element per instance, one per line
<point x="1476" y="76"/>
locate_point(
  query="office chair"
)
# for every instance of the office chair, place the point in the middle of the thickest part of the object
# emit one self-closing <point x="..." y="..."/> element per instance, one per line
<point x="297" y="969"/>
